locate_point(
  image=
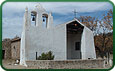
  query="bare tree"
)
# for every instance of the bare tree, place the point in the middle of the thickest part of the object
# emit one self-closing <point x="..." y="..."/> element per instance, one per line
<point x="90" y="22"/>
<point x="101" y="29"/>
<point x="107" y="26"/>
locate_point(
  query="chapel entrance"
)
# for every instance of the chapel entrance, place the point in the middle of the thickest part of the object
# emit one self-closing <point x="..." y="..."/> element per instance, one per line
<point x="74" y="34"/>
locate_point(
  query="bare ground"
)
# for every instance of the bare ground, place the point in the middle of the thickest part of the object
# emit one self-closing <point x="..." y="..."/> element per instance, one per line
<point x="10" y="64"/>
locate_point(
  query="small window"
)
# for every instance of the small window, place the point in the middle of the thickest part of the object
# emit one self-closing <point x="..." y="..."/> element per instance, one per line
<point x="14" y="47"/>
<point x="77" y="45"/>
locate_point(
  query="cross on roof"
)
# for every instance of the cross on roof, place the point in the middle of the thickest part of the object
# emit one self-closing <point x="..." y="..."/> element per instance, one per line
<point x="75" y="13"/>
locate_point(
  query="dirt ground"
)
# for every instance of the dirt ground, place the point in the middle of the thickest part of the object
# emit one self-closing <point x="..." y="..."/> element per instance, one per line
<point x="11" y="64"/>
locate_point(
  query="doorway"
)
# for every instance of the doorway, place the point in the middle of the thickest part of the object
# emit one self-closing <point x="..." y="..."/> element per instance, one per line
<point x="74" y="34"/>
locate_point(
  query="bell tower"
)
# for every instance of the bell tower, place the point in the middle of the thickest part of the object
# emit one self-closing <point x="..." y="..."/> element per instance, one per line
<point x="40" y="17"/>
<point x="35" y="21"/>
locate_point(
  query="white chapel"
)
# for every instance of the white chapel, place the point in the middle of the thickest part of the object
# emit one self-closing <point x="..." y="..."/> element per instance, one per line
<point x="71" y="40"/>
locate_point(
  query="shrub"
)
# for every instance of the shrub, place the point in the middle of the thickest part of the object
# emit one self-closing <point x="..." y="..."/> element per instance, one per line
<point x="46" y="56"/>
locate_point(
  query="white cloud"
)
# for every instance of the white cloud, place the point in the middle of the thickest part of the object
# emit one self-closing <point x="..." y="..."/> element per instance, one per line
<point x="64" y="8"/>
<point x="11" y="27"/>
<point x="13" y="12"/>
<point x="59" y="7"/>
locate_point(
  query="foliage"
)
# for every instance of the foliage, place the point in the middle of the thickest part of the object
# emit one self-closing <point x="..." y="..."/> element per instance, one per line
<point x="104" y="25"/>
<point x="106" y="39"/>
<point x="101" y="30"/>
<point x="46" y="56"/>
<point x="108" y="43"/>
<point x="90" y="22"/>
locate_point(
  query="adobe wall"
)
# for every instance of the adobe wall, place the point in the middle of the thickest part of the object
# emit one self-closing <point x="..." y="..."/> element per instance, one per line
<point x="87" y="44"/>
<point x="6" y="45"/>
<point x="66" y="64"/>
<point x="51" y="39"/>
<point x="15" y="50"/>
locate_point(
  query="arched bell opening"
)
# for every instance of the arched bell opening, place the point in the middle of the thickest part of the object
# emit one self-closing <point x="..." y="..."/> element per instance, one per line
<point x="44" y="20"/>
<point x="33" y="18"/>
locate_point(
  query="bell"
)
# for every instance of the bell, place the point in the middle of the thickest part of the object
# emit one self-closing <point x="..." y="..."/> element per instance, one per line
<point x="33" y="19"/>
<point x="43" y="20"/>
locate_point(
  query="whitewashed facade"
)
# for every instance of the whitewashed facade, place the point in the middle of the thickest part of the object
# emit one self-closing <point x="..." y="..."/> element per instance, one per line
<point x="71" y="40"/>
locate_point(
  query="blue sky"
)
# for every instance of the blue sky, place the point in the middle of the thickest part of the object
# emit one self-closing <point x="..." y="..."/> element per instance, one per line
<point x="12" y="18"/>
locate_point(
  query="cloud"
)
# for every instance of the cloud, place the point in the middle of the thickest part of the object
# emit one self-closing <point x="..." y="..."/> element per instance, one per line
<point x="11" y="27"/>
<point x="58" y="7"/>
<point x="65" y="8"/>
<point x="13" y="13"/>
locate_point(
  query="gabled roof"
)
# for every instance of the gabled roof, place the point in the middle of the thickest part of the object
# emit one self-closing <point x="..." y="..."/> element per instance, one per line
<point x="76" y="21"/>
